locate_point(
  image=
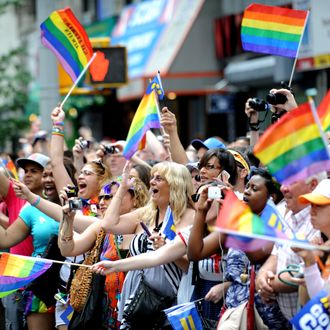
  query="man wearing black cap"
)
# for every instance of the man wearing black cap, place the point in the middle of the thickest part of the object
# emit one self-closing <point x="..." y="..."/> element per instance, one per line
<point x="33" y="167"/>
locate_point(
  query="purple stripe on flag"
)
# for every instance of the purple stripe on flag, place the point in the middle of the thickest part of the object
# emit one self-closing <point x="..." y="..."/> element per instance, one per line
<point x="269" y="50"/>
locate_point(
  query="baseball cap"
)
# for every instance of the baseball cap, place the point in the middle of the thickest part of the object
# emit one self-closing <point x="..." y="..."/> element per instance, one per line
<point x="209" y="143"/>
<point x="36" y="158"/>
<point x="192" y="166"/>
<point x="319" y="196"/>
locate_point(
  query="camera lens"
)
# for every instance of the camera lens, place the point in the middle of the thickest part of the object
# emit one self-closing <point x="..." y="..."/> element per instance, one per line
<point x="84" y="144"/>
<point x="111" y="149"/>
<point x="259" y="104"/>
<point x="277" y="98"/>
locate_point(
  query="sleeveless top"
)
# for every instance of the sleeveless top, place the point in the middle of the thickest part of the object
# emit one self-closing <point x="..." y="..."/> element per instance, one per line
<point x="141" y="244"/>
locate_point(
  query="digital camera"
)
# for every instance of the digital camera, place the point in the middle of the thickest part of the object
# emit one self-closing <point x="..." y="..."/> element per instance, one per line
<point x="85" y="144"/>
<point x="75" y="204"/>
<point x="259" y="105"/>
<point x="278" y="98"/>
<point x="214" y="192"/>
<point x="111" y="149"/>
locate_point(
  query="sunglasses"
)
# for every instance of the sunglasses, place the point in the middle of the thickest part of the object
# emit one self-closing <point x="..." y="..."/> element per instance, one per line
<point x="195" y="197"/>
<point x="106" y="197"/>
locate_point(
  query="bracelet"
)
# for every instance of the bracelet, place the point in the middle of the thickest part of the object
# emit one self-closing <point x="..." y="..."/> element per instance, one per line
<point x="36" y="201"/>
<point x="57" y="131"/>
<point x="59" y="123"/>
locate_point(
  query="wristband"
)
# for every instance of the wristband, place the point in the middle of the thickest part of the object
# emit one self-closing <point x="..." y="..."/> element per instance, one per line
<point x="57" y="131"/>
<point x="59" y="123"/>
<point x="36" y="201"/>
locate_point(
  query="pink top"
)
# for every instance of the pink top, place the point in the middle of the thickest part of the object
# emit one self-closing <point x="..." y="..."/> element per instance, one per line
<point x="314" y="281"/>
<point x="14" y="206"/>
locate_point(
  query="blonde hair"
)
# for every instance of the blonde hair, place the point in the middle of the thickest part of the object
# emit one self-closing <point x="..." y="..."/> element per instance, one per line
<point x="140" y="193"/>
<point x="181" y="189"/>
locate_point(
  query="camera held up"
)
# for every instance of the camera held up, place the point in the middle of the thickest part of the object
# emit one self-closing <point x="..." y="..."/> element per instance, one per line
<point x="111" y="149"/>
<point x="74" y="203"/>
<point x="259" y="105"/>
<point x="278" y="98"/>
<point x="85" y="144"/>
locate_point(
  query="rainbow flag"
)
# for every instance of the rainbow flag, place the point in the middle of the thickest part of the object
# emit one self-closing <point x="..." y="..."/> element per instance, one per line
<point x="17" y="271"/>
<point x="145" y="118"/>
<point x="273" y="30"/>
<point x="63" y="34"/>
<point x="292" y="149"/>
<point x="10" y="166"/>
<point x="324" y="112"/>
<point x="246" y="229"/>
<point x="168" y="226"/>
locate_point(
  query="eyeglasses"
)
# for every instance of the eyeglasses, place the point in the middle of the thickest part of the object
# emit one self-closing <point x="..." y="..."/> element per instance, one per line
<point x="87" y="172"/>
<point x="209" y="167"/>
<point x="106" y="197"/>
<point x="157" y="178"/>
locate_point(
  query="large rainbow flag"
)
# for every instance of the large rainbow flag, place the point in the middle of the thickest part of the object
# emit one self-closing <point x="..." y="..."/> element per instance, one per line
<point x="272" y="30"/>
<point x="324" y="112"/>
<point x="145" y="118"/>
<point x="246" y="230"/>
<point x="17" y="271"/>
<point x="63" y="34"/>
<point x="293" y="149"/>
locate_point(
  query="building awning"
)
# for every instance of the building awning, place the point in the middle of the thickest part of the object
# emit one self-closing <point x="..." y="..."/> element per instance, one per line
<point x="169" y="36"/>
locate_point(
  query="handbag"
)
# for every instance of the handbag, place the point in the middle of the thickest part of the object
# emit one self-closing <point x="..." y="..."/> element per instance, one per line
<point x="91" y="315"/>
<point x="145" y="309"/>
<point x="80" y="287"/>
<point x="45" y="286"/>
<point x="245" y="316"/>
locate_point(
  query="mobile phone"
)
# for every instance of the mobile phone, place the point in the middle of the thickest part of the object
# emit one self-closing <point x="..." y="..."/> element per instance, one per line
<point x="224" y="175"/>
<point x="145" y="228"/>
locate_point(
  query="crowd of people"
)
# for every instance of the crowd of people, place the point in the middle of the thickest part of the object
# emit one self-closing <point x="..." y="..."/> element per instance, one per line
<point x="76" y="196"/>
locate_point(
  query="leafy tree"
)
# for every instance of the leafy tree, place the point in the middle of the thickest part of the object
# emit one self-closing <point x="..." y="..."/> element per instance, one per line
<point x="14" y="79"/>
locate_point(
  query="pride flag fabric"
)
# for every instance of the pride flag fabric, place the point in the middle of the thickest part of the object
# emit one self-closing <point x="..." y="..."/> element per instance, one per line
<point x="324" y="112"/>
<point x="246" y="230"/>
<point x="184" y="317"/>
<point x="272" y="30"/>
<point x="10" y="166"/>
<point x="145" y="118"/>
<point x="168" y="227"/>
<point x="292" y="149"/>
<point x="63" y="34"/>
<point x="17" y="271"/>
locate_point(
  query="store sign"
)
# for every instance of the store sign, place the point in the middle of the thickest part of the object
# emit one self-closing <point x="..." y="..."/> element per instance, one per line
<point x="139" y="29"/>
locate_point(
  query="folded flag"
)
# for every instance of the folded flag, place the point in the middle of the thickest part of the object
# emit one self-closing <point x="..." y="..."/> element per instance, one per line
<point x="184" y="317"/>
<point x="293" y="149"/>
<point x="168" y="227"/>
<point x="273" y="30"/>
<point x="63" y="34"/>
<point x="66" y="315"/>
<point x="324" y="112"/>
<point x="145" y="118"/>
<point x="247" y="231"/>
<point x="17" y="271"/>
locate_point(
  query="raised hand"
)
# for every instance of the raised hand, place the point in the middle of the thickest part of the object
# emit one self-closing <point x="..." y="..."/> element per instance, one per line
<point x="21" y="190"/>
<point x="57" y="115"/>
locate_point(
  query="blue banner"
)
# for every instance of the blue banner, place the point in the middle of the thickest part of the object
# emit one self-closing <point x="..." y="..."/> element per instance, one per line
<point x="314" y="315"/>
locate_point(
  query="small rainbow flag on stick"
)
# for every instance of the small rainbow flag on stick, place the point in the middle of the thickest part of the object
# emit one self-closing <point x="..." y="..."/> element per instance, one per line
<point x="145" y="118"/>
<point x="293" y="149"/>
<point x="273" y="30"/>
<point x="17" y="271"/>
<point x="63" y="34"/>
<point x="10" y="166"/>
<point x="168" y="227"/>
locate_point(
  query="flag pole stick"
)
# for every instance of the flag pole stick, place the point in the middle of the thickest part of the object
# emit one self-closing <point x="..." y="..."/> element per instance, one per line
<point x="78" y="79"/>
<point x="162" y="131"/>
<point x="318" y="123"/>
<point x="296" y="58"/>
<point x="50" y="260"/>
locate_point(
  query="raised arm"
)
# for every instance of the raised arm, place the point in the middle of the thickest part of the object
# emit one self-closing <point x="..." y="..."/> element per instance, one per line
<point x="115" y="223"/>
<point x="169" y="123"/>
<point x="4" y="184"/>
<point x="62" y="178"/>
<point x="164" y="255"/>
